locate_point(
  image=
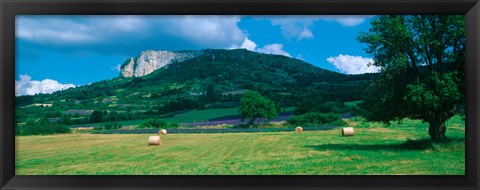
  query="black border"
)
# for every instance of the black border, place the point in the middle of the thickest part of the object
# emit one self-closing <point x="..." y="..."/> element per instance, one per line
<point x="10" y="8"/>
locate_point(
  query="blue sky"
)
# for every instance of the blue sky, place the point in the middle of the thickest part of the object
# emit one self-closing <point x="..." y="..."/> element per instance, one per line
<point x="58" y="52"/>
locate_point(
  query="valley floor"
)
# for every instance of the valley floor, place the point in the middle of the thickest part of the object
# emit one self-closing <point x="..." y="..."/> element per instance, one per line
<point x="394" y="150"/>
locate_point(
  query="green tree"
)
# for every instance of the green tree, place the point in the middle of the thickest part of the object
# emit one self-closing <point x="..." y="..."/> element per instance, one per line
<point x="253" y="106"/>
<point x="422" y="62"/>
<point x="96" y="116"/>
<point x="210" y="96"/>
<point x="157" y="124"/>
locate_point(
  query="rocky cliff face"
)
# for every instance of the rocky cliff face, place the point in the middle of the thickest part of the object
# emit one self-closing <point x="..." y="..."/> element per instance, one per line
<point x="150" y="60"/>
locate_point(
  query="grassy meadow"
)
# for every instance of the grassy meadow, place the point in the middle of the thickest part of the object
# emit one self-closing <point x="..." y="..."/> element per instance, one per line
<point x="399" y="149"/>
<point x="234" y="111"/>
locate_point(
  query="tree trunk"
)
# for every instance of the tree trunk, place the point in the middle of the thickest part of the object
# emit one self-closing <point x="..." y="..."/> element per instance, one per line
<point x="437" y="130"/>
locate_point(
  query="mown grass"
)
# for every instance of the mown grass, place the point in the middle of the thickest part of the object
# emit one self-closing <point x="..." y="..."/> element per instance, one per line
<point x="402" y="149"/>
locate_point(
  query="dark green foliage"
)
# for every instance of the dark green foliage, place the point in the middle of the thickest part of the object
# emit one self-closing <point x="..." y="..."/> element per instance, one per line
<point x="113" y="116"/>
<point x="173" y="106"/>
<point x="24" y="100"/>
<point x="321" y="106"/>
<point x="306" y="106"/>
<point x="253" y="106"/>
<point x="423" y="77"/>
<point x="97" y="116"/>
<point x="112" y="125"/>
<point x="315" y="118"/>
<point x="157" y="124"/>
<point x="40" y="128"/>
<point x="61" y="129"/>
<point x="211" y="95"/>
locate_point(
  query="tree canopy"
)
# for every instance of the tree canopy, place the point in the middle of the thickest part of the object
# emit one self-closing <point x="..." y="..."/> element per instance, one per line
<point x="422" y="60"/>
<point x="253" y="106"/>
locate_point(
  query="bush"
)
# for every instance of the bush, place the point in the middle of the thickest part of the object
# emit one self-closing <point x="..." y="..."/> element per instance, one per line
<point x="112" y="125"/>
<point x="61" y="129"/>
<point x="325" y="107"/>
<point x="315" y="118"/>
<point x="99" y="127"/>
<point x="157" y="124"/>
<point x="173" y="106"/>
<point x="40" y="128"/>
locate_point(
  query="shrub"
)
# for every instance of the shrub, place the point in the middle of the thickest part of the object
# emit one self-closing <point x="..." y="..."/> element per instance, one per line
<point x="315" y="118"/>
<point x="173" y="106"/>
<point x="98" y="127"/>
<point x="40" y="128"/>
<point x="112" y="125"/>
<point x="61" y="129"/>
<point x="319" y="106"/>
<point x="157" y="124"/>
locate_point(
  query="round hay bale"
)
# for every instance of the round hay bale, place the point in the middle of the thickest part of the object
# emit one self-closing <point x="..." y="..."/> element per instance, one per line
<point x="299" y="130"/>
<point x="162" y="132"/>
<point x="348" y="131"/>
<point x="154" y="140"/>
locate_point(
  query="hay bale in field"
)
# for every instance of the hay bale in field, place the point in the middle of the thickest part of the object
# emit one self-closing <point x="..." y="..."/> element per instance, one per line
<point x="348" y="131"/>
<point x="299" y="130"/>
<point x="154" y="140"/>
<point x="162" y="132"/>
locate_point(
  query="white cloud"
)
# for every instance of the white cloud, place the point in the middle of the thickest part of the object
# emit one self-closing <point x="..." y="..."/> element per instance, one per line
<point x="299" y="56"/>
<point x="300" y="26"/>
<point x="53" y="31"/>
<point x="116" y="67"/>
<point x="27" y="86"/>
<point x="218" y="30"/>
<point x="347" y="20"/>
<point x="295" y="26"/>
<point x="73" y="29"/>
<point x="353" y="64"/>
<point x="248" y="44"/>
<point x="129" y="34"/>
<point x="274" y="49"/>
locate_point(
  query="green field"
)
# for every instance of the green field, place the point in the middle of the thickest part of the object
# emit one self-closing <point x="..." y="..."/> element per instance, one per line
<point x="202" y="115"/>
<point x="403" y="149"/>
<point x="353" y="103"/>
<point x="186" y="117"/>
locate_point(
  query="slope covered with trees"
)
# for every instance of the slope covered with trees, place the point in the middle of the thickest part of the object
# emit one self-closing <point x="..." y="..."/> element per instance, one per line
<point x="216" y="79"/>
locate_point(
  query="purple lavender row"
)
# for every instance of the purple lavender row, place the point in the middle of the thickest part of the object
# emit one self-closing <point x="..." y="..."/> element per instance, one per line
<point x="230" y="122"/>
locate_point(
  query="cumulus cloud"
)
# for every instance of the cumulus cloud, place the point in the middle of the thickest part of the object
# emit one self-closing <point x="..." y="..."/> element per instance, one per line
<point x="128" y="34"/>
<point x="248" y="44"/>
<point x="73" y="29"/>
<point x="222" y="30"/>
<point x="299" y="27"/>
<point x="27" y="86"/>
<point x="299" y="56"/>
<point x="274" y="49"/>
<point x="116" y="67"/>
<point x="347" y="20"/>
<point x="295" y="26"/>
<point x="353" y="64"/>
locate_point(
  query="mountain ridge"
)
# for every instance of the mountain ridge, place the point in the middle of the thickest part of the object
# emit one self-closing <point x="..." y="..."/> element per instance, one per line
<point x="151" y="60"/>
<point x="199" y="80"/>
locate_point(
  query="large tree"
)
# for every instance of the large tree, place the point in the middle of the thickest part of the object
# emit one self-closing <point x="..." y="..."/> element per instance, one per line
<point x="255" y="107"/>
<point x="422" y="60"/>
